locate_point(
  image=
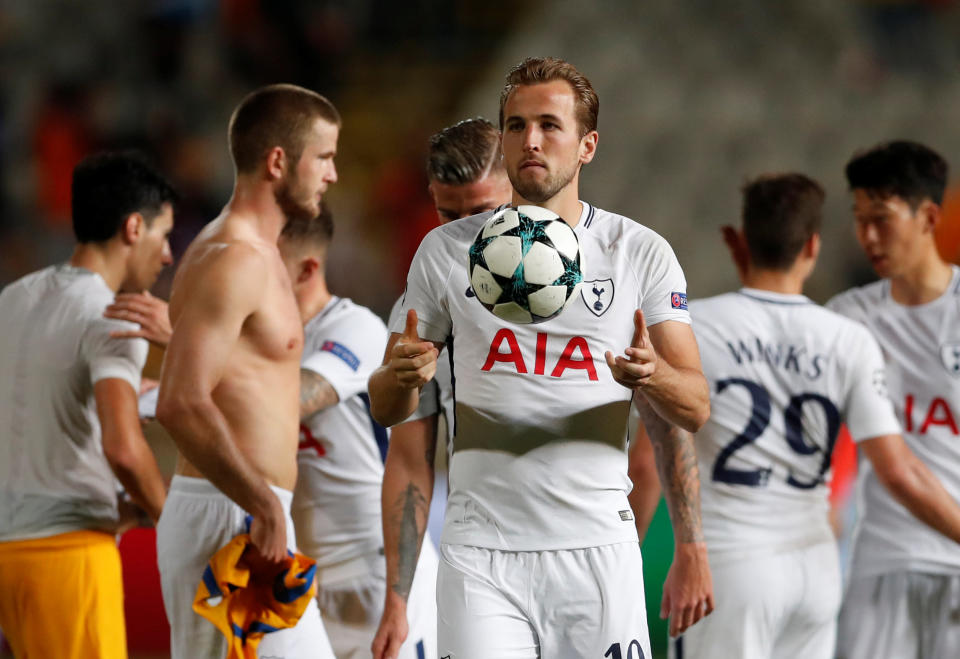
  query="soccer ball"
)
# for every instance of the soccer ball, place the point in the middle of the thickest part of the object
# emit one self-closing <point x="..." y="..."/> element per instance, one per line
<point x="525" y="264"/>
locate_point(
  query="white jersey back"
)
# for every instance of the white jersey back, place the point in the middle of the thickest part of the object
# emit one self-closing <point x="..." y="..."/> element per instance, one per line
<point x="336" y="506"/>
<point x="784" y="374"/>
<point x="540" y="424"/>
<point x="436" y="397"/>
<point x="56" y="345"/>
<point x="921" y="347"/>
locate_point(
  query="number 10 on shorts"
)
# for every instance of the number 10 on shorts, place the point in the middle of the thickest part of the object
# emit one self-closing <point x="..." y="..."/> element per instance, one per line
<point x="615" y="651"/>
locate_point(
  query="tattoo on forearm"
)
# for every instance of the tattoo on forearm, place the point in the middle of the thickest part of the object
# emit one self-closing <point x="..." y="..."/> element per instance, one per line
<point x="410" y="521"/>
<point x="676" y="460"/>
<point x="315" y="394"/>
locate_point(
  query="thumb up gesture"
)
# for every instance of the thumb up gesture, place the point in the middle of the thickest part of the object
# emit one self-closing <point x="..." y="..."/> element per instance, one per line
<point x="413" y="361"/>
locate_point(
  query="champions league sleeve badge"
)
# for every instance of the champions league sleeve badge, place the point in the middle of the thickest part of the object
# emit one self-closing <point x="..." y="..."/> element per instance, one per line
<point x="678" y="300"/>
<point x="597" y="295"/>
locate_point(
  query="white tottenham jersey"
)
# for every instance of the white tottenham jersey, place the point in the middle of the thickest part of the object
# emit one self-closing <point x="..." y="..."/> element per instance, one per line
<point x="921" y="347"/>
<point x="56" y="345"/>
<point x="539" y="458"/>
<point x="436" y="397"/>
<point x="784" y="373"/>
<point x="336" y="506"/>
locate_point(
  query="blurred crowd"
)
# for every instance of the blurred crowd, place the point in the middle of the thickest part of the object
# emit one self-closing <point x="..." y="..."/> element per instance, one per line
<point x="162" y="75"/>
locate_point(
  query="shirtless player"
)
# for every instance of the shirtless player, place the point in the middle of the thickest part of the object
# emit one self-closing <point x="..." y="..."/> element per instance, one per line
<point x="229" y="390"/>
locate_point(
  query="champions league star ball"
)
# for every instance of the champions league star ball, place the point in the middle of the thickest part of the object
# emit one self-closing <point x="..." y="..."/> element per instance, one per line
<point x="525" y="264"/>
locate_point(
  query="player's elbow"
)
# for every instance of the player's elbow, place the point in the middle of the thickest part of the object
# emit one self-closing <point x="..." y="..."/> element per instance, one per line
<point x="702" y="418"/>
<point x="383" y="407"/>
<point x="696" y="405"/>
<point x="121" y="456"/>
<point x="697" y="416"/>
<point x="383" y="415"/>
<point x="173" y="410"/>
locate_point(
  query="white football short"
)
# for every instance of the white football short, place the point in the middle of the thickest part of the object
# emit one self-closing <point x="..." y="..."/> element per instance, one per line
<point x="563" y="604"/>
<point x="351" y="597"/>
<point x="901" y="614"/>
<point x="197" y="520"/>
<point x="781" y="606"/>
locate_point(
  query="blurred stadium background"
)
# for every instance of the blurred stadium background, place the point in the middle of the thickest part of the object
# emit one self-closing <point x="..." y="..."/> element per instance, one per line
<point x="696" y="97"/>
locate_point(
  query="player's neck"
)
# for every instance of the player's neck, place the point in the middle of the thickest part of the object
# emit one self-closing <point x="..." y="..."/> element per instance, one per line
<point x="787" y="282"/>
<point x="102" y="260"/>
<point x="922" y="284"/>
<point x="254" y="204"/>
<point x="313" y="300"/>
<point x="565" y="203"/>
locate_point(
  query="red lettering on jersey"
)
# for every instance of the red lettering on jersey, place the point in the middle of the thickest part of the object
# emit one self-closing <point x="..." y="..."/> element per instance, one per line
<point x="513" y="356"/>
<point x="908" y="412"/>
<point x="308" y="441"/>
<point x="567" y="360"/>
<point x="541" y="358"/>
<point x="945" y="419"/>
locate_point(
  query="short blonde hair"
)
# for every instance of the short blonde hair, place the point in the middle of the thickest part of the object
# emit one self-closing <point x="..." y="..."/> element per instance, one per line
<point x="275" y="115"/>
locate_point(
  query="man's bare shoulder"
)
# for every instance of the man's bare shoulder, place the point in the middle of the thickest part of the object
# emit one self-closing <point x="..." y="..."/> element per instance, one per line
<point x="218" y="270"/>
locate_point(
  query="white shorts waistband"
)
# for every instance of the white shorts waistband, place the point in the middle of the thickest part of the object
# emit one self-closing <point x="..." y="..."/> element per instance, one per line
<point x="201" y="487"/>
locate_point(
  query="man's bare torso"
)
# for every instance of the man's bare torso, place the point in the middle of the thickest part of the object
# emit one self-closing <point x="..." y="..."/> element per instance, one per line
<point x="258" y="393"/>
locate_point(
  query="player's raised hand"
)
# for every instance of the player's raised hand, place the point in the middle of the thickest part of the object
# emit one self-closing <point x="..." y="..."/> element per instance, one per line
<point x="413" y="361"/>
<point x="637" y="366"/>
<point x="393" y="629"/>
<point x="147" y="311"/>
<point x="688" y="589"/>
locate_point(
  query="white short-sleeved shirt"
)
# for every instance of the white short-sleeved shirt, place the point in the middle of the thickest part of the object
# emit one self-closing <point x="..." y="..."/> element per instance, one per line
<point x="539" y="458"/>
<point x="436" y="397"/>
<point x="56" y="345"/>
<point x="921" y="348"/>
<point x="336" y="505"/>
<point x="784" y="373"/>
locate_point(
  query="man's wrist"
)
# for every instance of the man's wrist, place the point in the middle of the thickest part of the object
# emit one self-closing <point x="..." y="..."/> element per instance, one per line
<point x="395" y="602"/>
<point x="690" y="549"/>
<point x="268" y="506"/>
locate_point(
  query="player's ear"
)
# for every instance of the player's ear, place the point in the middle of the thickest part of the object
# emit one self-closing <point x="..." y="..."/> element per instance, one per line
<point x="812" y="247"/>
<point x="738" y="248"/>
<point x="132" y="228"/>
<point x="588" y="146"/>
<point x="308" y="268"/>
<point x="276" y="163"/>
<point x="929" y="214"/>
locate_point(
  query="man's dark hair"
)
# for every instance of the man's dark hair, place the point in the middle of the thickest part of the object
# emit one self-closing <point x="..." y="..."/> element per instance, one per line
<point x="275" y="115"/>
<point x="108" y="187"/>
<point x="464" y="152"/>
<point x="317" y="231"/>
<point x="780" y="213"/>
<point x="537" y="70"/>
<point x="904" y="169"/>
